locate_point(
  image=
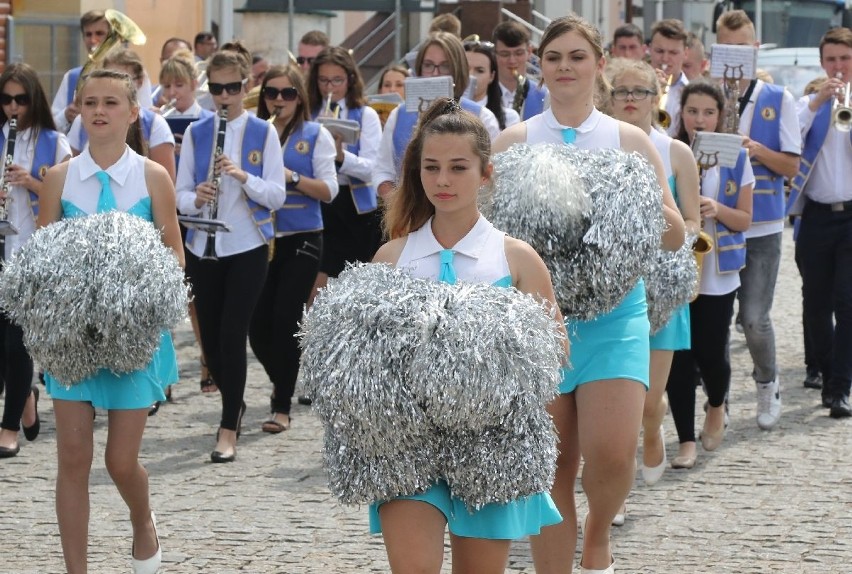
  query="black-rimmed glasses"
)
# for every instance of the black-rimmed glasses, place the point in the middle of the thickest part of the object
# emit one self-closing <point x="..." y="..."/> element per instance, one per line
<point x="637" y="94"/>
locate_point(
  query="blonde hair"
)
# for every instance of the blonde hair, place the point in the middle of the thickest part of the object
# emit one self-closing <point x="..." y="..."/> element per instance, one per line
<point x="621" y="66"/>
<point x="135" y="138"/>
<point x="181" y="66"/>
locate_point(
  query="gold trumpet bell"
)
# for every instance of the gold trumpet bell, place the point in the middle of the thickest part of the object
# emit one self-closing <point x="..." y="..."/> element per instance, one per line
<point x="702" y="246"/>
<point x="124" y="27"/>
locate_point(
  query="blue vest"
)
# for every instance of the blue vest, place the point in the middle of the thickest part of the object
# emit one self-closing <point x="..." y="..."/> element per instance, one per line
<point x="300" y="212"/>
<point x="730" y="246"/>
<point x="251" y="161"/>
<point x="766" y="129"/>
<point x="43" y="159"/>
<point x="147" y="125"/>
<point x="534" y="102"/>
<point x="73" y="78"/>
<point x="204" y="113"/>
<point x="405" y="124"/>
<point x="363" y="193"/>
<point x="812" y="145"/>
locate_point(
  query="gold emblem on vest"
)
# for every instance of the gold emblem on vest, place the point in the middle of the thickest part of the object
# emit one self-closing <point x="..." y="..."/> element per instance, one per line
<point x="768" y="113"/>
<point x="730" y="187"/>
<point x="255" y="157"/>
<point x="303" y="147"/>
<point x="42" y="171"/>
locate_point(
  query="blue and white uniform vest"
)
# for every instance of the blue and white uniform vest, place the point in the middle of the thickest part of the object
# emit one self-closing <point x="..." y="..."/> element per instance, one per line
<point x="204" y="113"/>
<point x="812" y="145"/>
<point x="765" y="128"/>
<point x="254" y="139"/>
<point x="301" y="212"/>
<point x="406" y="122"/>
<point x="534" y="100"/>
<point x="44" y="158"/>
<point x="147" y="125"/>
<point x="730" y="245"/>
<point x="363" y="193"/>
<point x="73" y="78"/>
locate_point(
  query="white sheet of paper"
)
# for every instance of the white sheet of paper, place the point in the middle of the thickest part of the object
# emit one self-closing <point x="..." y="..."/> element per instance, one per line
<point x="419" y="92"/>
<point x="712" y="148"/>
<point x="733" y="62"/>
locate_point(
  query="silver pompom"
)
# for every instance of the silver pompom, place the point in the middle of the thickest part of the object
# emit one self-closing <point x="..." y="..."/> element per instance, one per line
<point x="670" y="282"/>
<point x="416" y="380"/>
<point x="603" y="249"/>
<point x="94" y="292"/>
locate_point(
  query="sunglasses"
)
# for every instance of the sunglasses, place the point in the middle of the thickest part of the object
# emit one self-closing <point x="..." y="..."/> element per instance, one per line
<point x="287" y="94"/>
<point x="302" y="60"/>
<point x="232" y="88"/>
<point x="20" y="99"/>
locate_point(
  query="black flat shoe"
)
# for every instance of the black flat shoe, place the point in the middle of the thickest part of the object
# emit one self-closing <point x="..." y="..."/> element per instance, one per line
<point x="218" y="457"/>
<point x="813" y="381"/>
<point x="840" y="408"/>
<point x="31" y="432"/>
<point x="154" y="409"/>
<point x="6" y="452"/>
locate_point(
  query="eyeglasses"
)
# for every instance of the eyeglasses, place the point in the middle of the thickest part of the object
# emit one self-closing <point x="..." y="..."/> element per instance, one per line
<point x="336" y="82"/>
<point x="637" y="94"/>
<point x="471" y="44"/>
<point x="518" y="53"/>
<point x="287" y="94"/>
<point x="302" y="60"/>
<point x="233" y="88"/>
<point x="428" y="68"/>
<point x="20" y="99"/>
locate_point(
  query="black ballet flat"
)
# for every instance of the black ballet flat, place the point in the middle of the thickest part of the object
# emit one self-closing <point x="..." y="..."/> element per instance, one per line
<point x="6" y="452"/>
<point x="154" y="408"/>
<point x="31" y="432"/>
<point x="218" y="457"/>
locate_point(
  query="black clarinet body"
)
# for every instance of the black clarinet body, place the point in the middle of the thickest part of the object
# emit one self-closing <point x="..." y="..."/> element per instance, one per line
<point x="216" y="181"/>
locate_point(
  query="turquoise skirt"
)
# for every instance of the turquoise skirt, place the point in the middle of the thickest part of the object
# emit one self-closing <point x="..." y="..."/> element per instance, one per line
<point x="516" y="519"/>
<point x="611" y="346"/>
<point x="675" y="335"/>
<point x="136" y="390"/>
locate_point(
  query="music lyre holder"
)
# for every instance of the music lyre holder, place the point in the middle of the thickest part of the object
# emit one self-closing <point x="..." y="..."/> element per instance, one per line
<point x="203" y="224"/>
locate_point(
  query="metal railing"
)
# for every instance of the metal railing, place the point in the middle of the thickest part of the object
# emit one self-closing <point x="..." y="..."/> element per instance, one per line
<point x="542" y="17"/>
<point x="533" y="30"/>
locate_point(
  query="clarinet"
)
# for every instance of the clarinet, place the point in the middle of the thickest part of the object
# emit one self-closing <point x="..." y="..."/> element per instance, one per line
<point x="8" y="160"/>
<point x="216" y="181"/>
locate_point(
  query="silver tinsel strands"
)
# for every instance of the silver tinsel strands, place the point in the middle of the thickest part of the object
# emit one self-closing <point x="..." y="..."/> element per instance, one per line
<point x="670" y="282"/>
<point x="416" y="380"/>
<point x="94" y="292"/>
<point x="595" y="252"/>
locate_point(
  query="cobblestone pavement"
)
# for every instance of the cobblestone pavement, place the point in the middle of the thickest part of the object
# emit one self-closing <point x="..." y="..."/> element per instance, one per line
<point x="778" y="501"/>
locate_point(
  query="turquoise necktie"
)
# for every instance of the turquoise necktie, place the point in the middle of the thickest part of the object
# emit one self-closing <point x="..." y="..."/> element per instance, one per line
<point x="448" y="272"/>
<point x="569" y="135"/>
<point x="106" y="200"/>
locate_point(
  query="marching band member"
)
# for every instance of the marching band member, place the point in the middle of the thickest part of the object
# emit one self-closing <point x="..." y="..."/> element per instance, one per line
<point x="512" y="48"/>
<point x="668" y="50"/>
<point x="483" y="66"/>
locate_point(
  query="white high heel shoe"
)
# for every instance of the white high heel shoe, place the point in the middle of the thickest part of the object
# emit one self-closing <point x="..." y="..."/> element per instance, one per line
<point x="149" y="565"/>
<point x="653" y="474"/>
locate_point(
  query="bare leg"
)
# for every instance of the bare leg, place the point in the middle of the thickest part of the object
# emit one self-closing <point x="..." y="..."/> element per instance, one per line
<point x="130" y="477"/>
<point x="655" y="408"/>
<point x="479" y="555"/>
<point x="609" y="413"/>
<point x="320" y="283"/>
<point x="74" y="447"/>
<point x="553" y="550"/>
<point x="414" y="536"/>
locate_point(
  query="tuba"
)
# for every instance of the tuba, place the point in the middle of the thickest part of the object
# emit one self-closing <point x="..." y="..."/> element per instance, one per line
<point x="841" y="113"/>
<point x="215" y="179"/>
<point x="121" y="29"/>
<point x="6" y="227"/>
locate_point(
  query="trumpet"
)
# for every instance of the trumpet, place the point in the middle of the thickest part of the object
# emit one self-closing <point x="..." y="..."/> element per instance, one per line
<point x="169" y="108"/>
<point x="215" y="179"/>
<point x="274" y="115"/>
<point x="8" y="160"/>
<point x="841" y="113"/>
<point x="664" y="119"/>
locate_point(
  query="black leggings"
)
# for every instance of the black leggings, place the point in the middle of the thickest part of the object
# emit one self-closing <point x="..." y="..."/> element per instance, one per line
<point x="275" y="323"/>
<point x="710" y="319"/>
<point x="226" y="292"/>
<point x="17" y="372"/>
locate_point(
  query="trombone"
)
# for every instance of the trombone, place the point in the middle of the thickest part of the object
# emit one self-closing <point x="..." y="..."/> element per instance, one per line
<point x="169" y="108"/>
<point x="841" y="113"/>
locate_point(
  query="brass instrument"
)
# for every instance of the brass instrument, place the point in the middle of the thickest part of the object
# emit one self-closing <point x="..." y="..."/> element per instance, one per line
<point x="841" y="113"/>
<point x="664" y="119"/>
<point x="703" y="243"/>
<point x="327" y="112"/>
<point x="520" y="91"/>
<point x="169" y="108"/>
<point x="121" y="29"/>
<point x="274" y="115"/>
<point x="731" y="86"/>
<point x="215" y="179"/>
<point x="6" y="227"/>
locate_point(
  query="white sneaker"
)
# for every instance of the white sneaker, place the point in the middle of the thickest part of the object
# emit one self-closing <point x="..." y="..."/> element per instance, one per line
<point x="768" y="404"/>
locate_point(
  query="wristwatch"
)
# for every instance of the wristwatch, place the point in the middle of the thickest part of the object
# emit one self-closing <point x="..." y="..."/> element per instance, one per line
<point x="295" y="178"/>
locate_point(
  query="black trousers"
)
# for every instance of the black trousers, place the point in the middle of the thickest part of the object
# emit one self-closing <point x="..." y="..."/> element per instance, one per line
<point x="348" y="236"/>
<point x="824" y="251"/>
<point x="16" y="368"/>
<point x="226" y="292"/>
<point x="273" y="329"/>
<point x="710" y="319"/>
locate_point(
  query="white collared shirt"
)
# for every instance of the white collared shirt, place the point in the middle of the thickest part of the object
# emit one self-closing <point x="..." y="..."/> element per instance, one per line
<point x="161" y="133"/>
<point x="509" y="115"/>
<point x="479" y="257"/>
<point x="267" y="190"/>
<point x="18" y="207"/>
<point x="127" y="181"/>
<point x="598" y="131"/>
<point x="360" y="166"/>
<point x="832" y="169"/>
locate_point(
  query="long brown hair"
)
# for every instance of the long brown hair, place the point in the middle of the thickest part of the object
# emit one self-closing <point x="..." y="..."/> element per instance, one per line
<point x="294" y="74"/>
<point x="454" y="51"/>
<point x="575" y="23"/>
<point x="409" y="208"/>
<point x="38" y="115"/>
<point x="355" y="83"/>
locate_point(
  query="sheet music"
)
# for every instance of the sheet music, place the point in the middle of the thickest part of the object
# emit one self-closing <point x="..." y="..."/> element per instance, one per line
<point x="349" y="130"/>
<point x="711" y="149"/>
<point x="419" y="92"/>
<point x="739" y="62"/>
